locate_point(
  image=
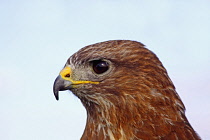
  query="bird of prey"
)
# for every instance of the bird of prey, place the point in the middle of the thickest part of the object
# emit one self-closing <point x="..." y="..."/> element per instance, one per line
<point x="127" y="93"/>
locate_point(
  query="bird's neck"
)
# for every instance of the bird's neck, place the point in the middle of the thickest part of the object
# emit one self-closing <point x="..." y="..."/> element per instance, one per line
<point x="126" y="119"/>
<point x="104" y="122"/>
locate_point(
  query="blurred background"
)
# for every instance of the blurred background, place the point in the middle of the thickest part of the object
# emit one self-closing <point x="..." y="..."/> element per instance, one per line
<point x="38" y="36"/>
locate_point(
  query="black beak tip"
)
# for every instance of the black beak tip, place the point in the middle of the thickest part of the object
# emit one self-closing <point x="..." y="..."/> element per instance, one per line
<point x="56" y="88"/>
<point x="56" y="96"/>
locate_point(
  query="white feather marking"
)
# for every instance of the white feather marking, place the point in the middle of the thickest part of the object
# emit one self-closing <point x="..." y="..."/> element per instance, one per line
<point x="122" y="134"/>
<point x="155" y="93"/>
<point x="111" y="136"/>
<point x="169" y="121"/>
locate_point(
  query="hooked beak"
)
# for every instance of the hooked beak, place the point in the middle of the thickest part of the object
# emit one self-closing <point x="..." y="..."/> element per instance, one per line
<point x="65" y="82"/>
<point x="60" y="84"/>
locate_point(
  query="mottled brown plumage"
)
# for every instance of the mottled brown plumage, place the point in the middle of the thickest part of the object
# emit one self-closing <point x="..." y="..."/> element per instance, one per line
<point x="132" y="99"/>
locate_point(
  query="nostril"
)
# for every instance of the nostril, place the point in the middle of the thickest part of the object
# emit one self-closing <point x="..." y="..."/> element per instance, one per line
<point x="67" y="75"/>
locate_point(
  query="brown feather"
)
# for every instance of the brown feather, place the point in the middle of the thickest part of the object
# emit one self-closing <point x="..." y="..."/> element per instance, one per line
<point x="137" y="100"/>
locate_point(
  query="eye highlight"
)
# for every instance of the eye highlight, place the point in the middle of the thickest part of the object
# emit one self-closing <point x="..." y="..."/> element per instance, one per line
<point x="100" y="66"/>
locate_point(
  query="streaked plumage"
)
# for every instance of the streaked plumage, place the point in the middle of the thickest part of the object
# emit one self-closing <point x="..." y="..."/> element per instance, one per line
<point x="127" y="93"/>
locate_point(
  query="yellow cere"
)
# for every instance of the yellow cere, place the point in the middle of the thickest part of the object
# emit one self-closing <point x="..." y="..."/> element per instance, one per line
<point x="66" y="75"/>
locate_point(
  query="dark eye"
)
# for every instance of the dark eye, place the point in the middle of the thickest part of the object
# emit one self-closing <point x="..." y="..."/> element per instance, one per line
<point x="100" y="66"/>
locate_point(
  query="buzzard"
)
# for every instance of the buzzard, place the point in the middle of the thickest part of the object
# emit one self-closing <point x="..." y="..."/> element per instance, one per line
<point x="127" y="93"/>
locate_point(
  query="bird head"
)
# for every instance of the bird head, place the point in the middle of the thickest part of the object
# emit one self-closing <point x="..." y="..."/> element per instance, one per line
<point x="126" y="91"/>
<point x="101" y="71"/>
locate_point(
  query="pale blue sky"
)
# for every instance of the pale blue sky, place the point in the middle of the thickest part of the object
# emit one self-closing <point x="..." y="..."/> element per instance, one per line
<point x="37" y="37"/>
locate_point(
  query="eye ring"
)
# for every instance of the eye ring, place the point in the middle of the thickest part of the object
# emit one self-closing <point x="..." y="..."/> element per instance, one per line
<point x="100" y="66"/>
